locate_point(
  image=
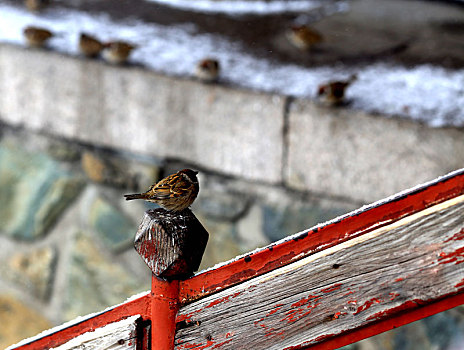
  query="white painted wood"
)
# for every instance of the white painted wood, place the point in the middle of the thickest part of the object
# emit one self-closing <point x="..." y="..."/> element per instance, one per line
<point x="114" y="336"/>
<point x="413" y="260"/>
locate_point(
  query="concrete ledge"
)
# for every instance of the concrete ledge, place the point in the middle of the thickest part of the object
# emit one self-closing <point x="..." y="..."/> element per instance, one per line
<point x="347" y="153"/>
<point x="232" y="131"/>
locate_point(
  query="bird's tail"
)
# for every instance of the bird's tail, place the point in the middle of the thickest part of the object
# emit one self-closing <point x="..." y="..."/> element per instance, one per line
<point x="134" y="196"/>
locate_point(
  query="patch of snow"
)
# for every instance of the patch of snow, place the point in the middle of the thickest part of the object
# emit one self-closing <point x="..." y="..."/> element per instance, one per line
<point x="256" y="7"/>
<point x="426" y="93"/>
<point x="356" y="212"/>
<point x="72" y="322"/>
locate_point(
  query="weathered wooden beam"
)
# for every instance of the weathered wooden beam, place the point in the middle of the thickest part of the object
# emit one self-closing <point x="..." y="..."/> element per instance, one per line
<point x="323" y="236"/>
<point x="390" y="270"/>
<point x="121" y="335"/>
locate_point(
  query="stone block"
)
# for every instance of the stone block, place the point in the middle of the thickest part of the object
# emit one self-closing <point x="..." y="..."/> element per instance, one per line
<point x="111" y="225"/>
<point x="227" y="130"/>
<point x="34" y="191"/>
<point x="32" y="270"/>
<point x="346" y="153"/>
<point x="95" y="279"/>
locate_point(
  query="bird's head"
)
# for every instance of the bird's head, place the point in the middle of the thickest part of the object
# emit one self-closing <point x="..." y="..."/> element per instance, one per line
<point x="192" y="174"/>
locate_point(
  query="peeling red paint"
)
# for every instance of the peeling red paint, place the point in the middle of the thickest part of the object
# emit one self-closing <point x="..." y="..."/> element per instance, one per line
<point x="459" y="236"/>
<point x="196" y="346"/>
<point x="367" y="304"/>
<point x="456" y="257"/>
<point x="331" y="289"/>
<point x="460" y="284"/>
<point x="399" y="279"/>
<point x="222" y="300"/>
<point x="406" y="305"/>
<point x="277" y="308"/>
<point x="393" y="295"/>
<point x="304" y="301"/>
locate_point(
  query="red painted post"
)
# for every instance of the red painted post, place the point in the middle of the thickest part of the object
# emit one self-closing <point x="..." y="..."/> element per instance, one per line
<point x="164" y="307"/>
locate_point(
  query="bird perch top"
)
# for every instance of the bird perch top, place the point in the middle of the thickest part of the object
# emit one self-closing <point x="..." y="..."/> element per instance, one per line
<point x="171" y="243"/>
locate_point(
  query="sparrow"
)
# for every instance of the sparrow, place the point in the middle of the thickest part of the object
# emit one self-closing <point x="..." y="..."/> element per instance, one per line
<point x="36" y="5"/>
<point x="333" y="92"/>
<point x="89" y="46"/>
<point x="303" y="37"/>
<point x="175" y="192"/>
<point x="117" y="52"/>
<point x="36" y="37"/>
<point x="207" y="70"/>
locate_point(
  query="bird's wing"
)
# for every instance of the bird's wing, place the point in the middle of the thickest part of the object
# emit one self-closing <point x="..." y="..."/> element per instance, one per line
<point x="175" y="186"/>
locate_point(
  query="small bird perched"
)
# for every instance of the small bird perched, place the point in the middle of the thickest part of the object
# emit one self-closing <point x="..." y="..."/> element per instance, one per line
<point x="174" y="193"/>
<point x="333" y="92"/>
<point x="117" y="52"/>
<point x="36" y="5"/>
<point x="207" y="70"/>
<point x="36" y="37"/>
<point x="303" y="37"/>
<point x="89" y="46"/>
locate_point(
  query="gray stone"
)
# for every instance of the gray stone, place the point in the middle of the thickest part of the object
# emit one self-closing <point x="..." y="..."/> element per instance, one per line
<point x="365" y="158"/>
<point x="63" y="151"/>
<point x="34" y="191"/>
<point x="222" y="244"/>
<point x="118" y="171"/>
<point x="231" y="131"/>
<point x="281" y="221"/>
<point x="95" y="280"/>
<point x="32" y="270"/>
<point x="111" y="225"/>
<point x="250" y="230"/>
<point x="220" y="205"/>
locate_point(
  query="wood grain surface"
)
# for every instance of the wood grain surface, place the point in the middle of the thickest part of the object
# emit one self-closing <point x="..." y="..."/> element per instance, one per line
<point x="394" y="268"/>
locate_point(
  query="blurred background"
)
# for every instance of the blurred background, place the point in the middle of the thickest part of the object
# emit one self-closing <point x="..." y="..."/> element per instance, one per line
<point x="293" y="111"/>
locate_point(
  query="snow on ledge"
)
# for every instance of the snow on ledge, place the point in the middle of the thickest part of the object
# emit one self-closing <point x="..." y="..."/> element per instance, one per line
<point x="426" y="93"/>
<point x="246" y="7"/>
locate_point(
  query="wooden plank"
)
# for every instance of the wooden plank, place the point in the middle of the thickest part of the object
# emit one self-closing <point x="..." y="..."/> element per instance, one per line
<point x="320" y="237"/>
<point x="61" y="334"/>
<point x="390" y="270"/>
<point x="121" y="335"/>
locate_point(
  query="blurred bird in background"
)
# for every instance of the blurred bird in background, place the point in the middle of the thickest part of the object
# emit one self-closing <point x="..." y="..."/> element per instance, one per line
<point x="175" y="192"/>
<point x="207" y="70"/>
<point x="89" y="46"/>
<point x="36" y="5"/>
<point x="303" y="37"/>
<point x="333" y="92"/>
<point x="36" y="37"/>
<point x="117" y="52"/>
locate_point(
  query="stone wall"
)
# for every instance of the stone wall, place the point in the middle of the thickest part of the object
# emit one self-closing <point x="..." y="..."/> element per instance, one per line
<point x="78" y="134"/>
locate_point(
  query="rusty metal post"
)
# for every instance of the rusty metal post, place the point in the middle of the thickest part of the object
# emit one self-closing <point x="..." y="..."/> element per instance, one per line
<point x="164" y="307"/>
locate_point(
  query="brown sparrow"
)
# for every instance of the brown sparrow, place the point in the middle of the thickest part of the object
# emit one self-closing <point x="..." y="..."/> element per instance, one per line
<point x="207" y="70"/>
<point x="175" y="192"/>
<point x="303" y="37"/>
<point x="36" y="5"/>
<point x="36" y="37"/>
<point x="89" y="46"/>
<point x="117" y="52"/>
<point x="333" y="92"/>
